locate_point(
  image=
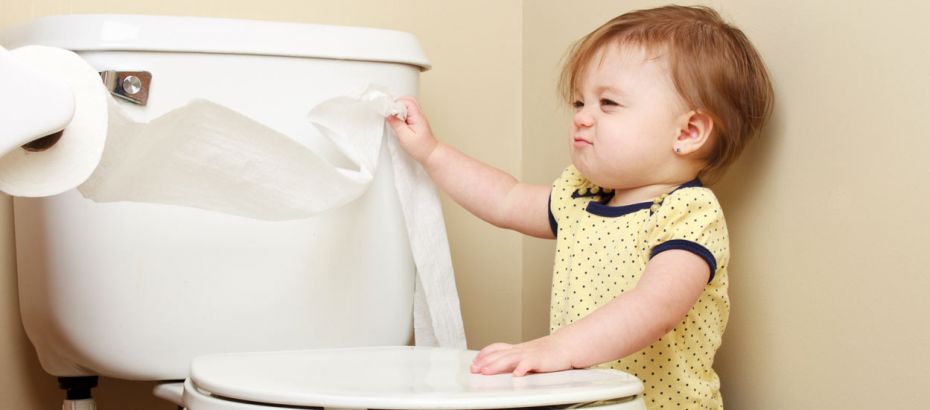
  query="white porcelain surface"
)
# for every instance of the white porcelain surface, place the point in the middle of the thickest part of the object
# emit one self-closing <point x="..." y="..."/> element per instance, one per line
<point x="395" y="378"/>
<point x="136" y="291"/>
<point x="96" y="32"/>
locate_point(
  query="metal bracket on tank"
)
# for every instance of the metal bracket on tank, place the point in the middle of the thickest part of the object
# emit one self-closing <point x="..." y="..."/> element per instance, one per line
<point x="132" y="86"/>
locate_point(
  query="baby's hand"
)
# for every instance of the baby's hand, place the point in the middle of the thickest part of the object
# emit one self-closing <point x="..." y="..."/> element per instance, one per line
<point x="413" y="133"/>
<point x="542" y="355"/>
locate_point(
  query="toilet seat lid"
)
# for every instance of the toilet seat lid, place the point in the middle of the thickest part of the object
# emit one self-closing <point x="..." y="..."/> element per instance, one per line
<point x="395" y="377"/>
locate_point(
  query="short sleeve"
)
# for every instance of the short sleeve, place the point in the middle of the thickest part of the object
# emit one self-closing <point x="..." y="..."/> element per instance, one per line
<point x="691" y="219"/>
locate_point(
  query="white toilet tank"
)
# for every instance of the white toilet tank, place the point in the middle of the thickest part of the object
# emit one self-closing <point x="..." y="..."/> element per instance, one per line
<point x="136" y="291"/>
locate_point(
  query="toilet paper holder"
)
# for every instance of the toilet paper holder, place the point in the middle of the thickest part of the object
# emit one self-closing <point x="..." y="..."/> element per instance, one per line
<point x="132" y="86"/>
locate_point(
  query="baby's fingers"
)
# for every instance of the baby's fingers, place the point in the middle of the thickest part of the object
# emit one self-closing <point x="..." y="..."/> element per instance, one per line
<point x="500" y="362"/>
<point x="525" y="366"/>
<point x="400" y="127"/>
<point x="414" y="114"/>
<point x="396" y="123"/>
<point x="482" y="357"/>
<point x="491" y="348"/>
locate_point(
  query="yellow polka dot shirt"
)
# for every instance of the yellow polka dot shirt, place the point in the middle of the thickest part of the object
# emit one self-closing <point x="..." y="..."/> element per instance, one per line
<point x="602" y="251"/>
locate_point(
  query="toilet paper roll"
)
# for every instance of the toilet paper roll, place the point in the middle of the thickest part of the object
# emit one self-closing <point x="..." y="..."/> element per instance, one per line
<point x="73" y="158"/>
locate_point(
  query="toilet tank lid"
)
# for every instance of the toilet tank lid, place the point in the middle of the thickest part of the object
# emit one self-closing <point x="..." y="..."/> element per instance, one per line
<point x="122" y="32"/>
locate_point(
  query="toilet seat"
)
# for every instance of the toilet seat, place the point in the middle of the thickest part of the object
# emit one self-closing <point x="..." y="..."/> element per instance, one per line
<point x="391" y="378"/>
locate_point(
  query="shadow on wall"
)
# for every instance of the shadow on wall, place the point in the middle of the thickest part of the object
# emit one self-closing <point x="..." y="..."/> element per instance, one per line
<point x="121" y="394"/>
<point x="738" y="192"/>
<point x="747" y="176"/>
<point x="36" y="387"/>
<point x="23" y="384"/>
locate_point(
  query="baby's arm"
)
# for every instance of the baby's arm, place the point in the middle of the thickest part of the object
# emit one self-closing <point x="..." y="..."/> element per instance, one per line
<point x="671" y="284"/>
<point x="486" y="192"/>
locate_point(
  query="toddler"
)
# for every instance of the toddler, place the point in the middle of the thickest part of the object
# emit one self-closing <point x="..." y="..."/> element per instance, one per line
<point x="663" y="99"/>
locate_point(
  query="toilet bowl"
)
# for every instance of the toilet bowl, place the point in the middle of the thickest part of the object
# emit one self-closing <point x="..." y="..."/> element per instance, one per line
<point x="155" y="292"/>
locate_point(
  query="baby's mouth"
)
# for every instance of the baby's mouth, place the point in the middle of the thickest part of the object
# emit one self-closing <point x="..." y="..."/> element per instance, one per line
<point x="581" y="141"/>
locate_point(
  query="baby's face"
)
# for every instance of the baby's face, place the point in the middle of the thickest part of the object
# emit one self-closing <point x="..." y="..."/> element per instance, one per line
<point x="627" y="118"/>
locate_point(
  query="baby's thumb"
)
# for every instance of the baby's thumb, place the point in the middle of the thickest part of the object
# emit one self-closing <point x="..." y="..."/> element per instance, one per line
<point x="400" y="126"/>
<point x="523" y="368"/>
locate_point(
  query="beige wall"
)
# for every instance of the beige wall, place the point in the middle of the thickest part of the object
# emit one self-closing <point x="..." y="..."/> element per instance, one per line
<point x="830" y="283"/>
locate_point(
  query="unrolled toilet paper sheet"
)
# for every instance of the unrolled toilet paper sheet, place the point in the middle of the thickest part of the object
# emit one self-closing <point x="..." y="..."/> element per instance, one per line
<point x="208" y="156"/>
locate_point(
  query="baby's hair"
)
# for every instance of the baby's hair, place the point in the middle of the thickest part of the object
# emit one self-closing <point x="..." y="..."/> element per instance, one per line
<point x="714" y="67"/>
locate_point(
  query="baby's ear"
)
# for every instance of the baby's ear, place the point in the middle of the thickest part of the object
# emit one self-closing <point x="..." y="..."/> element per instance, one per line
<point x="694" y="133"/>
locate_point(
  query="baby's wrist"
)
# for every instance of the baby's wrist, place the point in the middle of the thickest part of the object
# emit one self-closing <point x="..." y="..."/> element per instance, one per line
<point x="573" y="347"/>
<point x="429" y="156"/>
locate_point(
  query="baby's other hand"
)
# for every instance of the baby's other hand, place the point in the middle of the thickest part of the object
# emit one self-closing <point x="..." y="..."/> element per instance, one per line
<point x="542" y="355"/>
<point x="413" y="133"/>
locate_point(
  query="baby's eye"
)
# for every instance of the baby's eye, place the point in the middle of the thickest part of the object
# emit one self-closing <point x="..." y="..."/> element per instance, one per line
<point x="608" y="102"/>
<point x="577" y="104"/>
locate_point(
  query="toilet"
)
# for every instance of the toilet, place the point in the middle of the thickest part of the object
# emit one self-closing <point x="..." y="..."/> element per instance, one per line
<point x="232" y="313"/>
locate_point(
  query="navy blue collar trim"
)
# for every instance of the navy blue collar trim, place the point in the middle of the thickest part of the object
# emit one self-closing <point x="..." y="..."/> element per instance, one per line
<point x="602" y="209"/>
<point x="694" y="183"/>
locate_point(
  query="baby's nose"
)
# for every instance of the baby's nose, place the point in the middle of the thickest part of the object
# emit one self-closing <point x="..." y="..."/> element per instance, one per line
<point x="582" y="119"/>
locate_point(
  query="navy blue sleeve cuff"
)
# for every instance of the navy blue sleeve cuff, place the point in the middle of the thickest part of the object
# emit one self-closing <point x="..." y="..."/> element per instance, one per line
<point x="552" y="223"/>
<point x="689" y="246"/>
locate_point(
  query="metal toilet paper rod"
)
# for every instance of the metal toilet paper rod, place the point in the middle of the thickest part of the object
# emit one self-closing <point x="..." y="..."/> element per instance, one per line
<point x="132" y="86"/>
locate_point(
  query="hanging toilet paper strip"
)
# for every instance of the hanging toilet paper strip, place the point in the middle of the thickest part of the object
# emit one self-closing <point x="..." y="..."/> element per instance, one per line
<point x="437" y="319"/>
<point x="437" y="315"/>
